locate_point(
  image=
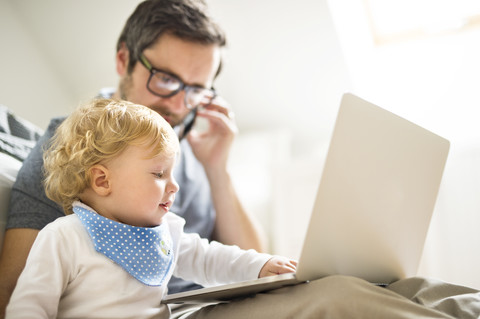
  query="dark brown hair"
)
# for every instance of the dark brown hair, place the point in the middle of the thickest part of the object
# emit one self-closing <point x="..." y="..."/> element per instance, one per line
<point x="186" y="19"/>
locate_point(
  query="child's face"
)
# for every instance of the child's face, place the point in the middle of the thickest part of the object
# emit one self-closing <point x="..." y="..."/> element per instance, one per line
<point x="142" y="188"/>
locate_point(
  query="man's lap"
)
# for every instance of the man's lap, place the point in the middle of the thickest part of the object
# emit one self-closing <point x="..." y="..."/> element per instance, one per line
<point x="457" y="301"/>
<point x="348" y="297"/>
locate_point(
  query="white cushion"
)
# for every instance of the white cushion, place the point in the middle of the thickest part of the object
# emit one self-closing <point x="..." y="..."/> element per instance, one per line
<point x="9" y="167"/>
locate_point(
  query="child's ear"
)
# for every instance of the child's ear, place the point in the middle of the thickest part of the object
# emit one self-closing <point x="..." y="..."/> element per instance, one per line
<point x="122" y="58"/>
<point x="100" y="182"/>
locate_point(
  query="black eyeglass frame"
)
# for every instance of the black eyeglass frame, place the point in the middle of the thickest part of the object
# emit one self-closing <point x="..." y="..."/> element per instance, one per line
<point x="182" y="86"/>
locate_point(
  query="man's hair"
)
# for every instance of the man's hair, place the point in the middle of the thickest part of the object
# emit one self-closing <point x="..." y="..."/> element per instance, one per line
<point x="95" y="133"/>
<point x="186" y="19"/>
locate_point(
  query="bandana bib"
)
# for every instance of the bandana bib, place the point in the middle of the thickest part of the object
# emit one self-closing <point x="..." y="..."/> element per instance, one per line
<point x="145" y="253"/>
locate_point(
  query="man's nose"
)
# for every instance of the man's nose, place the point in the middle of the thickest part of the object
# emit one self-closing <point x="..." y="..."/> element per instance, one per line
<point x="177" y="102"/>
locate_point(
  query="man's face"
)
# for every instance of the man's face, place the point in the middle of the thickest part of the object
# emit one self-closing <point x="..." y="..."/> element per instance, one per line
<point x="194" y="63"/>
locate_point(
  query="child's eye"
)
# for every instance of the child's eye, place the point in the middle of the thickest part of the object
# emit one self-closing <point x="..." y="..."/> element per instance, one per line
<point x="159" y="174"/>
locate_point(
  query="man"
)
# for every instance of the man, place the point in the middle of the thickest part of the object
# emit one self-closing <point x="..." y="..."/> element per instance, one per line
<point x="171" y="69"/>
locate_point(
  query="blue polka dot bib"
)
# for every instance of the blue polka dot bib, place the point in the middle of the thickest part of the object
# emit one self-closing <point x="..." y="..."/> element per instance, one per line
<point x="145" y="253"/>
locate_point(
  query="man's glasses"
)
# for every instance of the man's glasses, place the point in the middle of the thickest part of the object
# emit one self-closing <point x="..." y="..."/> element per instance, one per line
<point x="165" y="85"/>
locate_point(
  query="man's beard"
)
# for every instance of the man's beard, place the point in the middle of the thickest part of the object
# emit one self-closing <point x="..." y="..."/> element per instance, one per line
<point x="124" y="87"/>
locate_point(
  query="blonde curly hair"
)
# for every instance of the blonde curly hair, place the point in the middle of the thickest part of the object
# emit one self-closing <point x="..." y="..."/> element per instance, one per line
<point x="95" y="133"/>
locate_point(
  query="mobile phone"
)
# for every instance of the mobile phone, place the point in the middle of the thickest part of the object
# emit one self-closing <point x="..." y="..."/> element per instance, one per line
<point x="187" y="124"/>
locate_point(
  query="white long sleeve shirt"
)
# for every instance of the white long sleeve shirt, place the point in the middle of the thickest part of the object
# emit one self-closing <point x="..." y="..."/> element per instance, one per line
<point x="65" y="277"/>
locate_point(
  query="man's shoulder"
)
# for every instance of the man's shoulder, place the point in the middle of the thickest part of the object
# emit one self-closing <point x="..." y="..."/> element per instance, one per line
<point x="106" y="92"/>
<point x="29" y="206"/>
<point x="54" y="124"/>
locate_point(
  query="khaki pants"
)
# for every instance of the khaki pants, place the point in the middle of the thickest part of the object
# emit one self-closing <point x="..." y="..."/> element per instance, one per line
<point x="348" y="297"/>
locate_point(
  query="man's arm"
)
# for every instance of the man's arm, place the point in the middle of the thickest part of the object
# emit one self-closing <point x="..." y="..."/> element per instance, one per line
<point x="16" y="246"/>
<point x="212" y="147"/>
<point x="233" y="225"/>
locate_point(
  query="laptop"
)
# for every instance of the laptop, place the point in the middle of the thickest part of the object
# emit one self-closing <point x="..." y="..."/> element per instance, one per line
<point x="373" y="207"/>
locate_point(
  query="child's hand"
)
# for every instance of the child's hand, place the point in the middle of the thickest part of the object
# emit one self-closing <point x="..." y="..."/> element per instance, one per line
<point x="277" y="265"/>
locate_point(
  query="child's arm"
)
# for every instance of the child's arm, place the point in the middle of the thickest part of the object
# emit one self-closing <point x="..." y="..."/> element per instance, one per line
<point x="213" y="263"/>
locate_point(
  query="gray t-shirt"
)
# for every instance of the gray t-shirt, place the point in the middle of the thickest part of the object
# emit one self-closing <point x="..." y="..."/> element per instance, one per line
<point x="30" y="208"/>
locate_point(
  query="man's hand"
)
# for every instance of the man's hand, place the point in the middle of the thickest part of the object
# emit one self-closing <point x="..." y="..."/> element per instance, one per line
<point x="278" y="265"/>
<point x="212" y="146"/>
<point x="233" y="225"/>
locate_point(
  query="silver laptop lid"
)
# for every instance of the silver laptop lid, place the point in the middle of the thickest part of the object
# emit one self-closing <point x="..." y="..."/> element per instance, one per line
<point x="376" y="196"/>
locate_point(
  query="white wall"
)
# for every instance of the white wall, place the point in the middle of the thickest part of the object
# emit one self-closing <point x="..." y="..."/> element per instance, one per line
<point x="29" y="84"/>
<point x="56" y="53"/>
<point x="284" y="66"/>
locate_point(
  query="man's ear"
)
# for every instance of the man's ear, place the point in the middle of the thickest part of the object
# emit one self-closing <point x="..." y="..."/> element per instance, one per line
<point x="99" y="180"/>
<point x="122" y="58"/>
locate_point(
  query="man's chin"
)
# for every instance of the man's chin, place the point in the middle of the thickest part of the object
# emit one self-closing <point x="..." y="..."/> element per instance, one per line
<point x="170" y="120"/>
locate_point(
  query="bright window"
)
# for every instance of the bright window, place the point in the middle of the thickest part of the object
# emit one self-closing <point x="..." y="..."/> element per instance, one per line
<point x="393" y="20"/>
